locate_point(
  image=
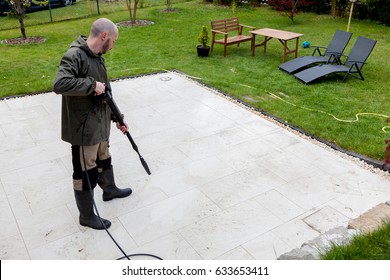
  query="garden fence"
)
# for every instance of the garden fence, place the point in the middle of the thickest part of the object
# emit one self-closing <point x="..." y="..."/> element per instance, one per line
<point x="80" y="9"/>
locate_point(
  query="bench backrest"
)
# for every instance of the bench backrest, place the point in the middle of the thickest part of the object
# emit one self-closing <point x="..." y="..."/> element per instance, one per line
<point x="226" y="25"/>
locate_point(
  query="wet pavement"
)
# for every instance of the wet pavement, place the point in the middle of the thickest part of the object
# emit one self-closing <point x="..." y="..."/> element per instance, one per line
<point x="226" y="182"/>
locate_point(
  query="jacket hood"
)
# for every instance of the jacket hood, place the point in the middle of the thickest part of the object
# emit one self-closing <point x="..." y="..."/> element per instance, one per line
<point x="81" y="43"/>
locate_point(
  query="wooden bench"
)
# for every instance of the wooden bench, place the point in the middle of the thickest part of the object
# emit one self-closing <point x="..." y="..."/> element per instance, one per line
<point x="226" y="27"/>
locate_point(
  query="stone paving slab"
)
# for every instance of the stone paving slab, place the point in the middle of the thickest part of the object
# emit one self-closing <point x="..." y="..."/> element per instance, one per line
<point x="226" y="183"/>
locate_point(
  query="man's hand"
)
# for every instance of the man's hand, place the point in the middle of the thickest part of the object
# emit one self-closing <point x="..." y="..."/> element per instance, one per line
<point x="123" y="128"/>
<point x="100" y="88"/>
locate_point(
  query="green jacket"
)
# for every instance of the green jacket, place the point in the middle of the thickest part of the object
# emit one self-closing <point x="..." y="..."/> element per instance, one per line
<point x="76" y="79"/>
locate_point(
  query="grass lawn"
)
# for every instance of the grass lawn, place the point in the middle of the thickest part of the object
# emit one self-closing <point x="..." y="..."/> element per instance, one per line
<point x="170" y="44"/>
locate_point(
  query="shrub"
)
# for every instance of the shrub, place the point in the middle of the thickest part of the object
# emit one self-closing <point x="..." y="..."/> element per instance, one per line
<point x="374" y="10"/>
<point x="203" y="37"/>
<point x="319" y="7"/>
<point x="289" y="8"/>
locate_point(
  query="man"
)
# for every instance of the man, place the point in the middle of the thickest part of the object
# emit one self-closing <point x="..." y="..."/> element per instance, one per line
<point x="81" y="79"/>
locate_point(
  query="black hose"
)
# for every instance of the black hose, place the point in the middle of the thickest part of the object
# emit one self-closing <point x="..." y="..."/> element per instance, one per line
<point x="125" y="256"/>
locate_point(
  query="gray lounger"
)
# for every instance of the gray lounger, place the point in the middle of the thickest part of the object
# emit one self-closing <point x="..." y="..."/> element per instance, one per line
<point x="332" y="54"/>
<point x="354" y="63"/>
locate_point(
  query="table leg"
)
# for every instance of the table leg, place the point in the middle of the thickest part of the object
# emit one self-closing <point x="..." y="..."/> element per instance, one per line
<point x="265" y="44"/>
<point x="284" y="50"/>
<point x="296" y="47"/>
<point x="253" y="44"/>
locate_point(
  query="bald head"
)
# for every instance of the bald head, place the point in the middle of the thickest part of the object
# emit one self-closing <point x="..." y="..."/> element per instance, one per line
<point x="103" y="35"/>
<point x="103" y="25"/>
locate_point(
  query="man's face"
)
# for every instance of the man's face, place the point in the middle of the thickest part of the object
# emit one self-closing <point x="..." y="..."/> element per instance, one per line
<point x="109" y="42"/>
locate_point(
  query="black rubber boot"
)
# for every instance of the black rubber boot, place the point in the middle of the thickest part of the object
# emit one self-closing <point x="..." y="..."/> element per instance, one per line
<point x="107" y="182"/>
<point x="87" y="217"/>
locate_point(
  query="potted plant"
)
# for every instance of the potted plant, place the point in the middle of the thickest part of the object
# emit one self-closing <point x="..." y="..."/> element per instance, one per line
<point x="203" y="39"/>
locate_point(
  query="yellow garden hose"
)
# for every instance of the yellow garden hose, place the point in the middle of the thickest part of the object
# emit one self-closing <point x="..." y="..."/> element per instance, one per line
<point x="384" y="129"/>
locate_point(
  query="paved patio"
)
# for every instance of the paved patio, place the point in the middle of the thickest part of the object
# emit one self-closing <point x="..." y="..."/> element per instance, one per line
<point x="226" y="183"/>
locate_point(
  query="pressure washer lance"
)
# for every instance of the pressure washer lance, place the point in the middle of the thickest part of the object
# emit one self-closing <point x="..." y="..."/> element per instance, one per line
<point x="107" y="97"/>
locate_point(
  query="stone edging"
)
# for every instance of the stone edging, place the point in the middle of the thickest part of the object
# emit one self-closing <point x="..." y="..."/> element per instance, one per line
<point x="367" y="222"/>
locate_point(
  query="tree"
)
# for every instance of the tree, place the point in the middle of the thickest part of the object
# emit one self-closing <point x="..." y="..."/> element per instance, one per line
<point x="169" y="5"/>
<point x="18" y="8"/>
<point x="339" y="7"/>
<point x="289" y="8"/>
<point x="132" y="8"/>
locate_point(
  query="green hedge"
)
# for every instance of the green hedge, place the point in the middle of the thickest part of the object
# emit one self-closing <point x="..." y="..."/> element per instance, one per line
<point x="372" y="10"/>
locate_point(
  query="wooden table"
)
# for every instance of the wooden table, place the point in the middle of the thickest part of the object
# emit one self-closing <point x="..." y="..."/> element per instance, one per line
<point x="281" y="35"/>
